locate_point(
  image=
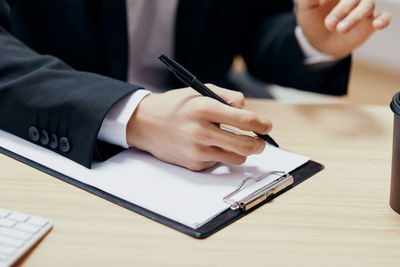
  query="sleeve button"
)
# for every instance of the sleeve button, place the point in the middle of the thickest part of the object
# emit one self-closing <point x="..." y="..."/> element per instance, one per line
<point x="34" y="134"/>
<point x="64" y="144"/>
<point x="44" y="137"/>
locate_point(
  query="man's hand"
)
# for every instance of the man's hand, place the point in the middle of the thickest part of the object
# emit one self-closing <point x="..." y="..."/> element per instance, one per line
<point x="183" y="128"/>
<point x="337" y="27"/>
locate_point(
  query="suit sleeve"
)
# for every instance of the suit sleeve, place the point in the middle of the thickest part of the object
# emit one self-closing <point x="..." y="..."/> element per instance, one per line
<point x="272" y="53"/>
<point x="45" y="101"/>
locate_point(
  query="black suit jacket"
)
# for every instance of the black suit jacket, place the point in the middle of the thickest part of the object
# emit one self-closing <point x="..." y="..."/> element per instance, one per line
<point x="63" y="64"/>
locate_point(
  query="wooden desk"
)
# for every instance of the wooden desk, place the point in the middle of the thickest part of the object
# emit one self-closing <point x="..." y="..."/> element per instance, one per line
<point x="339" y="217"/>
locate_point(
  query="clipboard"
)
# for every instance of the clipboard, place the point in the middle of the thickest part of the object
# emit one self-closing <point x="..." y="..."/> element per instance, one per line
<point x="237" y="210"/>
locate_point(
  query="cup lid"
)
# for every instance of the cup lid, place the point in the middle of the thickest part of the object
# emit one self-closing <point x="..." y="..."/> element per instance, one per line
<point x="395" y="104"/>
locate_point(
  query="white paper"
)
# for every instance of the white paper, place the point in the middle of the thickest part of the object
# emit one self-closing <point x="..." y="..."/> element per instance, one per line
<point x="191" y="198"/>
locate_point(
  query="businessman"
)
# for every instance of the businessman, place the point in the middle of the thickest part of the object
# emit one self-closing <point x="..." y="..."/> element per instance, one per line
<point x="76" y="75"/>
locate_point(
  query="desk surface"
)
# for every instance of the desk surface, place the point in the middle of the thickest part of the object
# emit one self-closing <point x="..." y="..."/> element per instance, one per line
<point x="340" y="216"/>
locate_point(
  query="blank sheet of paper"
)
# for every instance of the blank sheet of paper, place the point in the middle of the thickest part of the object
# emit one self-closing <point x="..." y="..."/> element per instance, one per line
<point x="191" y="198"/>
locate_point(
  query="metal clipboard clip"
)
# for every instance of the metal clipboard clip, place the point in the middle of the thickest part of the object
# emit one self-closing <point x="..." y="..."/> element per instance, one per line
<point x="261" y="194"/>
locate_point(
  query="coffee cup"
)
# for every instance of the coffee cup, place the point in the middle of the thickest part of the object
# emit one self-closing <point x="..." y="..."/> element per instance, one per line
<point x="395" y="177"/>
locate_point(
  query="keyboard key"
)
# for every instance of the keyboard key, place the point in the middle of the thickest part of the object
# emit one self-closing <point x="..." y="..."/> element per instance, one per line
<point x="4" y="213"/>
<point x="7" y="223"/>
<point x="14" y="233"/>
<point x="37" y="221"/>
<point x="29" y="228"/>
<point x="7" y="250"/>
<point x="18" y="233"/>
<point x="12" y="242"/>
<point x="17" y="216"/>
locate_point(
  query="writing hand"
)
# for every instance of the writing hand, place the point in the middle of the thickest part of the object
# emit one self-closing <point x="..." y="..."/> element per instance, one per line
<point x="338" y="27"/>
<point x="183" y="128"/>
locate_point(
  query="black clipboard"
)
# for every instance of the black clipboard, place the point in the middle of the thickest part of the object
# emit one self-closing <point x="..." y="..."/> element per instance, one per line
<point x="227" y="217"/>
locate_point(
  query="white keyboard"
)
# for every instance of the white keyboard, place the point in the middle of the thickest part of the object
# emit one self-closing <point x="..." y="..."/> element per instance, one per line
<point x="18" y="233"/>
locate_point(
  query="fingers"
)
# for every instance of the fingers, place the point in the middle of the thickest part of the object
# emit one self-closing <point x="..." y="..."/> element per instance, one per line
<point x="363" y="11"/>
<point x="233" y="98"/>
<point x="204" y="157"/>
<point x="242" y="119"/>
<point x="240" y="144"/>
<point x="338" y="13"/>
<point x="189" y="123"/>
<point x="348" y="14"/>
<point x="382" y="20"/>
<point x="217" y="154"/>
<point x="218" y="113"/>
<point x="216" y="145"/>
<point x="201" y="156"/>
<point x="199" y="165"/>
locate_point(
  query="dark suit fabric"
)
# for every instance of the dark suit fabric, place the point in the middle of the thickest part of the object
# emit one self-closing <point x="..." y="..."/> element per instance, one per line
<point x="63" y="64"/>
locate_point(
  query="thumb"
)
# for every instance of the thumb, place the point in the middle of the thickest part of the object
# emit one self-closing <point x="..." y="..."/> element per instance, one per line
<point x="233" y="98"/>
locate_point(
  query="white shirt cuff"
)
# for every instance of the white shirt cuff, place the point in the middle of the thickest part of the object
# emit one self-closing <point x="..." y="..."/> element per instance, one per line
<point x="113" y="128"/>
<point x="311" y="54"/>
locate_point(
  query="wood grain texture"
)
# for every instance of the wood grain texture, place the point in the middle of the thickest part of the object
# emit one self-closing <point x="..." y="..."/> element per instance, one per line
<point x="339" y="217"/>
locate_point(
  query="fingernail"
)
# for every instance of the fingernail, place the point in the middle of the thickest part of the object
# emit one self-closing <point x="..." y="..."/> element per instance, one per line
<point x="258" y="139"/>
<point x="331" y="21"/>
<point x="344" y="26"/>
<point x="379" y="23"/>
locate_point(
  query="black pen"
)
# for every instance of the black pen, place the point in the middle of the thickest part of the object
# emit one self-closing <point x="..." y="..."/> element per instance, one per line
<point x="190" y="80"/>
